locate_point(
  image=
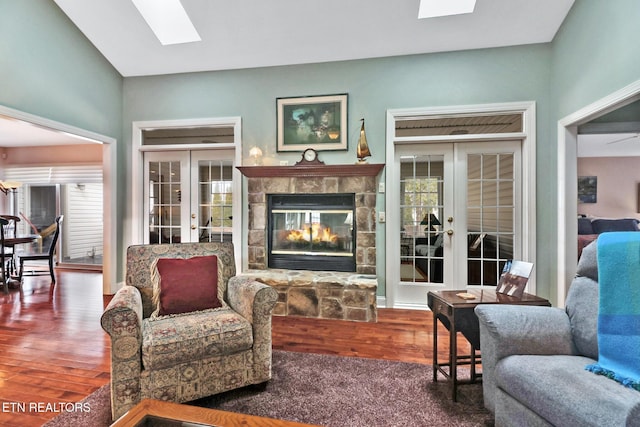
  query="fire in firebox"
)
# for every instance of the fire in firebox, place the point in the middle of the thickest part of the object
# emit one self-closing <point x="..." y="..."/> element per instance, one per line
<point x="315" y="233"/>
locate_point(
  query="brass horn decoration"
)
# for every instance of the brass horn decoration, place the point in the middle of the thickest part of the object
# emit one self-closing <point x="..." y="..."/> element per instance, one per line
<point x="362" y="150"/>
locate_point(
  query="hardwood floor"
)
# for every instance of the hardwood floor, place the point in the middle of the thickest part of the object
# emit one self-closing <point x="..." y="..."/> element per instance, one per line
<point x="53" y="350"/>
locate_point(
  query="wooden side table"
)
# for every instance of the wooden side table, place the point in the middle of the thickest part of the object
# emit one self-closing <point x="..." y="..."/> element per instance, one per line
<point x="457" y="315"/>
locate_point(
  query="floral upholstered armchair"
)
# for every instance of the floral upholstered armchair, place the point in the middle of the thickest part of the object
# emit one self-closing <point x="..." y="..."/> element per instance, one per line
<point x="173" y="338"/>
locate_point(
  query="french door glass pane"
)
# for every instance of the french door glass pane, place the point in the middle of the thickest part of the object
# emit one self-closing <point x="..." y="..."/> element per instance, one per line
<point x="215" y="200"/>
<point x="421" y="207"/>
<point x="490" y="216"/>
<point x="165" y="195"/>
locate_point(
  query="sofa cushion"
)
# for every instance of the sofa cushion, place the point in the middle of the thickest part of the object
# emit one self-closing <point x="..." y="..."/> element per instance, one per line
<point x="185" y="285"/>
<point x="170" y="340"/>
<point x="560" y="390"/>
<point x="582" y="304"/>
<point x="588" y="263"/>
<point x="605" y="225"/>
<point x="585" y="226"/>
<point x="582" y="308"/>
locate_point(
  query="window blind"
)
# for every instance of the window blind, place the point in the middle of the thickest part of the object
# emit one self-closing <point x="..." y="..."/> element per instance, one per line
<point x="55" y="174"/>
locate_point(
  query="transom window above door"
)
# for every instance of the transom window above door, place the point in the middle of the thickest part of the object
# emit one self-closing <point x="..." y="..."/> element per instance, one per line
<point x="188" y="136"/>
<point x="476" y="124"/>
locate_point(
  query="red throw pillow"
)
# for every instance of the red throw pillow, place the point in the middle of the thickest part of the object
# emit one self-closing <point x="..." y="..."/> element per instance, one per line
<point x="188" y="284"/>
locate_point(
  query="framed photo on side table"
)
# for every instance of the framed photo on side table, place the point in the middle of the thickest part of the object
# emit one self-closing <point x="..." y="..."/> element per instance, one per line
<point x="514" y="278"/>
<point x="318" y="122"/>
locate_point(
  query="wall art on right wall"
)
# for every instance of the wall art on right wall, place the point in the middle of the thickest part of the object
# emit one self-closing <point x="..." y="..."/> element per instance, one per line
<point x="587" y="189"/>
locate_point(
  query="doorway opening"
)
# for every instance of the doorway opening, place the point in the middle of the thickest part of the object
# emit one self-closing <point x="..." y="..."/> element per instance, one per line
<point x="567" y="197"/>
<point x="56" y="130"/>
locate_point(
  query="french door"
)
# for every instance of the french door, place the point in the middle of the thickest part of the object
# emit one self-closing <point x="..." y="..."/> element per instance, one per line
<point x="188" y="196"/>
<point x="460" y="211"/>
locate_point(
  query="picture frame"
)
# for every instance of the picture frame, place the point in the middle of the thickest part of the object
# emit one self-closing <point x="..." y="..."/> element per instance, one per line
<point x="318" y="122"/>
<point x="514" y="278"/>
<point x="587" y="189"/>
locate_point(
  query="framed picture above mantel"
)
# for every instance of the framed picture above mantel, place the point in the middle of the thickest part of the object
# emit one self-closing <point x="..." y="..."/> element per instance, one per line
<point x="317" y="122"/>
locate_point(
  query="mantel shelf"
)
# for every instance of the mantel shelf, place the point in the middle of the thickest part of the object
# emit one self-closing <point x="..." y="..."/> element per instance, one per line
<point x="311" y="171"/>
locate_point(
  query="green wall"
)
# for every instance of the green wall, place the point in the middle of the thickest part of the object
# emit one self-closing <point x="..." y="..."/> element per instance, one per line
<point x="48" y="68"/>
<point x="374" y="86"/>
<point x="595" y="53"/>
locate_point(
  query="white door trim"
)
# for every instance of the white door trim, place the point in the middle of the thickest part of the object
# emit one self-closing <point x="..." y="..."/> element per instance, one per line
<point x="568" y="180"/>
<point x="110" y="189"/>
<point x="392" y="174"/>
<point x="135" y="236"/>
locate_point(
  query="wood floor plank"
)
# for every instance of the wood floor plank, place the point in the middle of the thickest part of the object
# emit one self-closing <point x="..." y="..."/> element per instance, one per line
<point x="52" y="348"/>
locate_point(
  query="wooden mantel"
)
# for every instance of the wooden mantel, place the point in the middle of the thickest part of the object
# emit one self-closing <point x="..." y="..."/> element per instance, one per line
<point x="311" y="171"/>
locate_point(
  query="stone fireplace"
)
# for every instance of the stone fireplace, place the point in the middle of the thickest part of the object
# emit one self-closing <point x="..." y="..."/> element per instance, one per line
<point x="332" y="292"/>
<point x="359" y="180"/>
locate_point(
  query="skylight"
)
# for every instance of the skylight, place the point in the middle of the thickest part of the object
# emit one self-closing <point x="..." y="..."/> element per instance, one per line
<point x="436" y="8"/>
<point x="168" y="20"/>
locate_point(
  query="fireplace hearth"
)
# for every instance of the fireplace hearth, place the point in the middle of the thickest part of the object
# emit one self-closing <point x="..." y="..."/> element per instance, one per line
<point x="311" y="232"/>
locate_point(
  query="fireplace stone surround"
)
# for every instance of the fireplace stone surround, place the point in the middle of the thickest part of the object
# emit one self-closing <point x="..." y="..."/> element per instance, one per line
<point x="320" y="294"/>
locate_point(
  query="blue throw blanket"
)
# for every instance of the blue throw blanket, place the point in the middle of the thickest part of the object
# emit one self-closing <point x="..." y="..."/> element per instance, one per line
<point x="619" y="310"/>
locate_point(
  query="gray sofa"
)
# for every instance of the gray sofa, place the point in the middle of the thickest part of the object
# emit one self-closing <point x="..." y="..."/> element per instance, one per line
<point x="534" y="358"/>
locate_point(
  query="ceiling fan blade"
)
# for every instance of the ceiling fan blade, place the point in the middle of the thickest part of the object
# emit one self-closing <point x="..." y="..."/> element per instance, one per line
<point x="626" y="138"/>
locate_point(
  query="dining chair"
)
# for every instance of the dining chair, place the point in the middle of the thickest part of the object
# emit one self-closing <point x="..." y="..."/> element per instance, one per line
<point x="46" y="255"/>
<point x="4" y="257"/>
<point x="10" y="230"/>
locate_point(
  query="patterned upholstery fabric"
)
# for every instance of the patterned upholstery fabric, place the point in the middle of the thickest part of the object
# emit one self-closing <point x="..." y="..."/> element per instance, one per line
<point x="166" y="340"/>
<point x="192" y="355"/>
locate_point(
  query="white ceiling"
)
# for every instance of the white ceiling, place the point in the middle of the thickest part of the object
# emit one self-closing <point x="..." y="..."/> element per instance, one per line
<point x="609" y="145"/>
<point x="259" y="33"/>
<point x="19" y="133"/>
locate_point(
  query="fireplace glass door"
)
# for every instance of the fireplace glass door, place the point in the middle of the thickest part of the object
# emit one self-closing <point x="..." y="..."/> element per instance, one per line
<point x="311" y="238"/>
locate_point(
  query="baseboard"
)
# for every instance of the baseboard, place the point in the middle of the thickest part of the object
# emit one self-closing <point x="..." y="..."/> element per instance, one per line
<point x="412" y="306"/>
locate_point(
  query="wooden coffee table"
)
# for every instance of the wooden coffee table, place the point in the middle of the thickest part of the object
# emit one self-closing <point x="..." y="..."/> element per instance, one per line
<point x="151" y="412"/>
<point x="457" y="315"/>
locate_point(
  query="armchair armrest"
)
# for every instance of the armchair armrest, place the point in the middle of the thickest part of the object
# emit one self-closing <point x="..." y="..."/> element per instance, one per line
<point x="255" y="301"/>
<point x="122" y="320"/>
<point x="506" y="330"/>
<point x="123" y="315"/>
<point x="252" y="299"/>
<point x="518" y="329"/>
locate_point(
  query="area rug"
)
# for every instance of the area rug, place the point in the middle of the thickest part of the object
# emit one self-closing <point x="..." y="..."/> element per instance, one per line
<point x="335" y="391"/>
